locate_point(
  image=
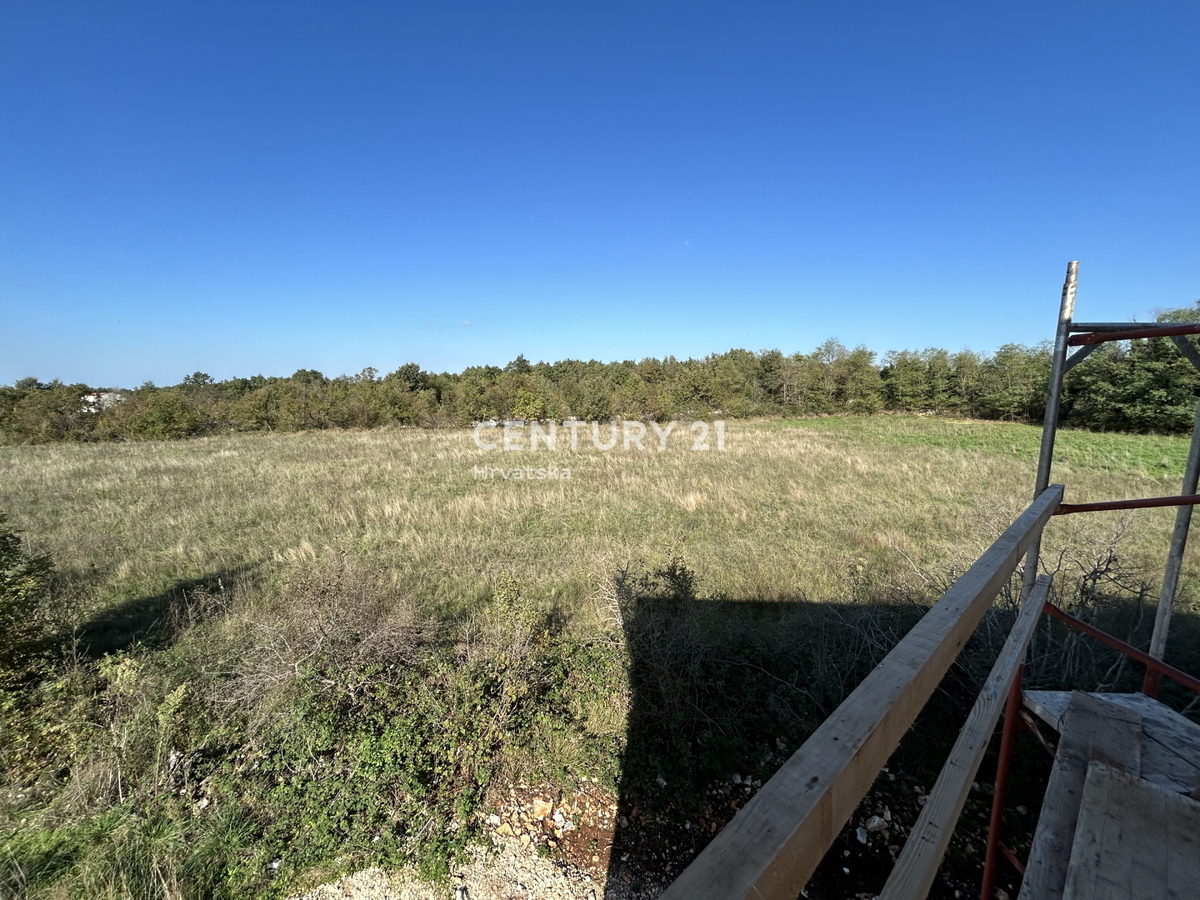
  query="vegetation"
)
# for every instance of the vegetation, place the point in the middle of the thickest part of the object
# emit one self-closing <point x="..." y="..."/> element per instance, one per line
<point x="23" y="579"/>
<point x="264" y="659"/>
<point x="1139" y="386"/>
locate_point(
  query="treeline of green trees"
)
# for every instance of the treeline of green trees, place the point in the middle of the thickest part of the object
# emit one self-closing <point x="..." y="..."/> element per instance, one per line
<point x="1142" y="385"/>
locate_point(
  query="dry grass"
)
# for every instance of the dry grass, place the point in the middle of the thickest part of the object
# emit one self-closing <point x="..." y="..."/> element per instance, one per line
<point x="308" y="586"/>
<point x="825" y="509"/>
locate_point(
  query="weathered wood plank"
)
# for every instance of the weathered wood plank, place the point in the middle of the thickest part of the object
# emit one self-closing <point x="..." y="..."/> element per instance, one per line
<point x="1171" y="743"/>
<point x="1048" y="706"/>
<point x="1133" y="840"/>
<point x="775" y="842"/>
<point x="923" y="851"/>
<point x="1092" y="729"/>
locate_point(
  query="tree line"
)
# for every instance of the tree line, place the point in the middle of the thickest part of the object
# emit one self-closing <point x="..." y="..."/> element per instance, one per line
<point x="1141" y="385"/>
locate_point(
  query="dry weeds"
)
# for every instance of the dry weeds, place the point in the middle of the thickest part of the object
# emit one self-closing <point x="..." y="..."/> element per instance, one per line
<point x="811" y="509"/>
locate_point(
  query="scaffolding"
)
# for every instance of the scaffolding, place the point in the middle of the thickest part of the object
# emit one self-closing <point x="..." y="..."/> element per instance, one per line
<point x="776" y="841"/>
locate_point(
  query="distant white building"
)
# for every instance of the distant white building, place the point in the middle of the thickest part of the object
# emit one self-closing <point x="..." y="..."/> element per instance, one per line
<point x="98" y="401"/>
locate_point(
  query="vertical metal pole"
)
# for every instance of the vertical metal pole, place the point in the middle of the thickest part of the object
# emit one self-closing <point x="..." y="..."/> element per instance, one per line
<point x="1166" y="598"/>
<point x="1066" y="310"/>
<point x="1012" y="709"/>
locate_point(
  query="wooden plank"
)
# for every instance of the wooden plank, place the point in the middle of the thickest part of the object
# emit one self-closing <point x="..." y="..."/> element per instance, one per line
<point x="1183" y="846"/>
<point x="775" y="842"/>
<point x="1171" y="743"/>
<point x="923" y="851"/>
<point x="1133" y="840"/>
<point x="1048" y="706"/>
<point x="1092" y="729"/>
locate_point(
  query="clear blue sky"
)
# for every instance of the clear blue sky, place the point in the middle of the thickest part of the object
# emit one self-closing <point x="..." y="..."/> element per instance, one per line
<point x="245" y="187"/>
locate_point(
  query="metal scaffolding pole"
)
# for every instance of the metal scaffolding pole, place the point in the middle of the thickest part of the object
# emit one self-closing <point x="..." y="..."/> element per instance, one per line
<point x="1066" y="310"/>
<point x="1166" y="597"/>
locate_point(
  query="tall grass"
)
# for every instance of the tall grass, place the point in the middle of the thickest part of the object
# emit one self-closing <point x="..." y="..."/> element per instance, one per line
<point x="277" y="656"/>
<point x="820" y="508"/>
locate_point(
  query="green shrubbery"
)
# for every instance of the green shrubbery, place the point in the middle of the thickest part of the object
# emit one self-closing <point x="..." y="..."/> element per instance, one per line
<point x="1139" y="386"/>
<point x="253" y="751"/>
<point x="23" y="579"/>
<point x="1135" y="386"/>
<point x="242" y="749"/>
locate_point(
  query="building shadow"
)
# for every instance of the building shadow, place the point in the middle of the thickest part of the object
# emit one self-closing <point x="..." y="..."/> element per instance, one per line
<point x="724" y="691"/>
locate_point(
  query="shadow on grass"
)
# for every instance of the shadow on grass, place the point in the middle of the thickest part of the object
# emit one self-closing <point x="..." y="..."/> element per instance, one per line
<point x="156" y="621"/>
<point x="723" y="692"/>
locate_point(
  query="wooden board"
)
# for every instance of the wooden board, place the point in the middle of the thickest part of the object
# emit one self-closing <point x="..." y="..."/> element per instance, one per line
<point x="1170" y="748"/>
<point x="775" y="842"/>
<point x="918" y="864"/>
<point x="1133" y="840"/>
<point x="1092" y="730"/>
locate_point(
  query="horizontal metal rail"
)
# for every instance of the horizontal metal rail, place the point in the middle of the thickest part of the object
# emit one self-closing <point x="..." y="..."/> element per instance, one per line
<point x="1128" y="649"/>
<point x="1100" y="337"/>
<point x="1077" y="327"/>
<point x="1066" y="509"/>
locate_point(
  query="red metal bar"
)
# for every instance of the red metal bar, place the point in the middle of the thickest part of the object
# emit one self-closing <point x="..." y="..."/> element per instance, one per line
<point x="1012" y="858"/>
<point x="1100" y="337"/>
<point x="1128" y="649"/>
<point x="1065" y="509"/>
<point x="1150" y="683"/>
<point x="1012" y="709"/>
<point x="1031" y="725"/>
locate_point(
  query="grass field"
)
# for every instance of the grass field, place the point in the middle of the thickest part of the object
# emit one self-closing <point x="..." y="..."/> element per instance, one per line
<point x="819" y="508"/>
<point x="240" y="626"/>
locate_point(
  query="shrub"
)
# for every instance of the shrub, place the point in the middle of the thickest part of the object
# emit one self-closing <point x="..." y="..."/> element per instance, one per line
<point x="23" y="580"/>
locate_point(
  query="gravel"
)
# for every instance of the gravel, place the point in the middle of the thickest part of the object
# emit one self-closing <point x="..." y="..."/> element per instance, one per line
<point x="511" y="872"/>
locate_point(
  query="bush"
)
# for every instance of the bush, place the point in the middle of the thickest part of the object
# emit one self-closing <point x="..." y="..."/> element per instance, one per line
<point x="23" y="580"/>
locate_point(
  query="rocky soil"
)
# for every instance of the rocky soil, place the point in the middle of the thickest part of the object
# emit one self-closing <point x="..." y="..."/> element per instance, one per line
<point x="581" y="845"/>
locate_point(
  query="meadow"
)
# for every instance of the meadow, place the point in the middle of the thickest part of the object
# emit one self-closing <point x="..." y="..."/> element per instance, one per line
<point x="238" y="626"/>
<point x="819" y="508"/>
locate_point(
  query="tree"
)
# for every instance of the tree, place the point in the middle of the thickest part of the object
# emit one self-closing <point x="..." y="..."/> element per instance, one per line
<point x="528" y="405"/>
<point x="410" y="377"/>
<point x="859" y="389"/>
<point x="519" y="366"/>
<point x="1015" y="382"/>
<point x="158" y="415"/>
<point x="966" y="376"/>
<point x="198" y="379"/>
<point x="939" y="380"/>
<point x="906" y="385"/>
<point x="51" y="412"/>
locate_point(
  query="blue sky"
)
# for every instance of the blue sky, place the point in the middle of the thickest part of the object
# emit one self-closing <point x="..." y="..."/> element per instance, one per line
<point x="246" y="187"/>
